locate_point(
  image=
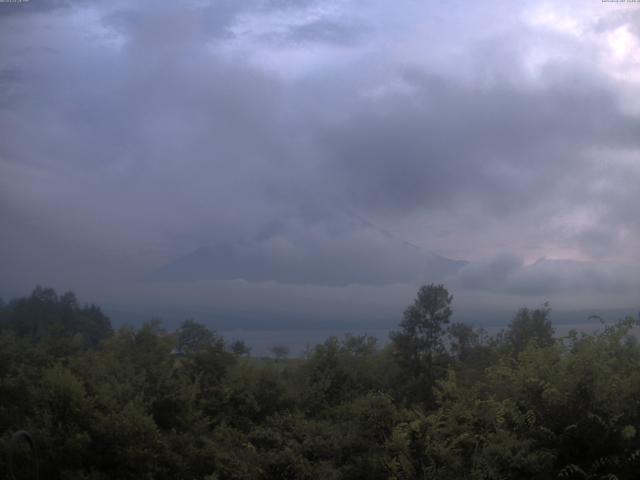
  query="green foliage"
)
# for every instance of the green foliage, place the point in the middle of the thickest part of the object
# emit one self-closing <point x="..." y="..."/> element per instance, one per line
<point x="439" y="402"/>
<point x="280" y="352"/>
<point x="418" y="346"/>
<point x="46" y="315"/>
<point x="529" y="326"/>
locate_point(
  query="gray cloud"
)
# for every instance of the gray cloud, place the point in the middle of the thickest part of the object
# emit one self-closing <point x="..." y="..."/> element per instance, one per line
<point x="490" y="275"/>
<point x="27" y="7"/>
<point x="549" y="277"/>
<point x="504" y="146"/>
<point x="148" y="136"/>
<point x="325" y="30"/>
<point x="346" y="251"/>
<point x="557" y="277"/>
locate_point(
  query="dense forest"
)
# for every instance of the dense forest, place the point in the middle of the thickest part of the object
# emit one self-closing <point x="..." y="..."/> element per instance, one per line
<point x="441" y="400"/>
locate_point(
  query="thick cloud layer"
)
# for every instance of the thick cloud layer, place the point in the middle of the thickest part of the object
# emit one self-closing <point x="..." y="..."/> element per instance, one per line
<point x="323" y="152"/>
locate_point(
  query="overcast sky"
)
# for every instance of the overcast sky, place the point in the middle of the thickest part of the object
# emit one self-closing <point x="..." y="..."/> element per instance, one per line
<point x="321" y="158"/>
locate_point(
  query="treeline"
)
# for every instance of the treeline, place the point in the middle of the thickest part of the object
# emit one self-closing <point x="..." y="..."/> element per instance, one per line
<point x="441" y="401"/>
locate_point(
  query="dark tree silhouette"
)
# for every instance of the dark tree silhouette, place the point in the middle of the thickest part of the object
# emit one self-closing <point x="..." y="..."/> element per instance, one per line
<point x="418" y="346"/>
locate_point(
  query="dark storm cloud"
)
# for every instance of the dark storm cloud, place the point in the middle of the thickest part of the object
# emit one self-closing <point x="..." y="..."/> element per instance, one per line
<point x="181" y="138"/>
<point x="504" y="146"/>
